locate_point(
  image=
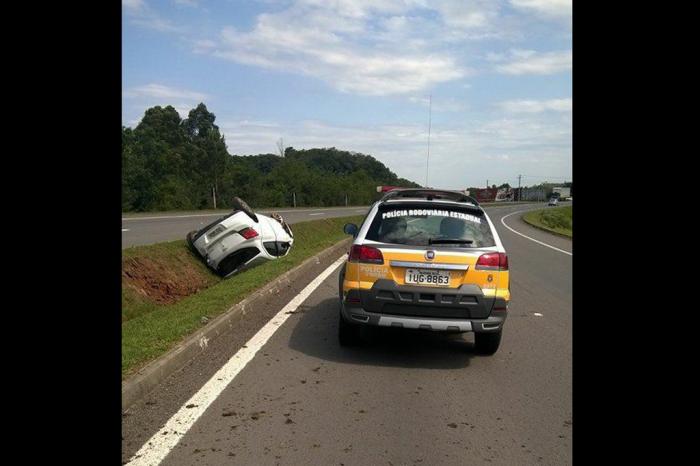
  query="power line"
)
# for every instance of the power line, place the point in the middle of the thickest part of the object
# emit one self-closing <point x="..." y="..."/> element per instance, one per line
<point x="553" y="177"/>
<point x="430" y="114"/>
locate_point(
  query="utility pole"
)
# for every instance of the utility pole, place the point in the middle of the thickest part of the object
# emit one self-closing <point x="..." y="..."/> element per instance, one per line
<point x="430" y="114"/>
<point x="346" y="200"/>
<point x="519" y="176"/>
<point x="213" y="193"/>
<point x="294" y="195"/>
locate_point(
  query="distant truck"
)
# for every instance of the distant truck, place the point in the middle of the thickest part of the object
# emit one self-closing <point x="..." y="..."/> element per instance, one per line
<point x="483" y="194"/>
<point x="504" y="195"/>
<point x="561" y="193"/>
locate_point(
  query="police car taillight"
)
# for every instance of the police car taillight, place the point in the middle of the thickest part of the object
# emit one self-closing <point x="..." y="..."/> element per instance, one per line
<point x="248" y="233"/>
<point x="492" y="261"/>
<point x="366" y="254"/>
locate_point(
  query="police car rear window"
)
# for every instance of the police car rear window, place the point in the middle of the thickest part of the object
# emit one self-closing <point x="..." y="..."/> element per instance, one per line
<point x="418" y="224"/>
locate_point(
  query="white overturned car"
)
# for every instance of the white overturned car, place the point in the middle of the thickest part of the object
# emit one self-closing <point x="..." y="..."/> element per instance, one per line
<point x="241" y="239"/>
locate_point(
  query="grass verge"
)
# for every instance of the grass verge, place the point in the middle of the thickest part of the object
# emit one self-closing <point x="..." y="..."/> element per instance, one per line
<point x="555" y="220"/>
<point x="150" y="327"/>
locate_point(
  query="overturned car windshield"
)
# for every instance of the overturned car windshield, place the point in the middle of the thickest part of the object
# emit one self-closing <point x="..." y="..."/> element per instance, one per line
<point x="419" y="225"/>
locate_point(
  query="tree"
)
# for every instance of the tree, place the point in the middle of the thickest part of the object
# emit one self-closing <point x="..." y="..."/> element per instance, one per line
<point x="209" y="151"/>
<point x="160" y="145"/>
<point x="280" y="147"/>
<point x="170" y="163"/>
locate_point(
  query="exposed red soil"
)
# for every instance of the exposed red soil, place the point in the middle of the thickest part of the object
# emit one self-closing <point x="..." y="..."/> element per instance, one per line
<point x="161" y="283"/>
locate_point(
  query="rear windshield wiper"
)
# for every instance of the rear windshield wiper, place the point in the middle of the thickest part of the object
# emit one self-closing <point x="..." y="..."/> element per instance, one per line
<point x="449" y="241"/>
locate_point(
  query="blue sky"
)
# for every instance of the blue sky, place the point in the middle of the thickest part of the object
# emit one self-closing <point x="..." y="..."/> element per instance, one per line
<point x="356" y="75"/>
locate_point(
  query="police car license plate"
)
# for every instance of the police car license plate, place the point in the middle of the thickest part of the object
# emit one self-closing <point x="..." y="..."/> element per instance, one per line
<point x="427" y="277"/>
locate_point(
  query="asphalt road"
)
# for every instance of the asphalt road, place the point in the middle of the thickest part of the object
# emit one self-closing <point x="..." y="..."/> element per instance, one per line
<point x="140" y="230"/>
<point x="404" y="398"/>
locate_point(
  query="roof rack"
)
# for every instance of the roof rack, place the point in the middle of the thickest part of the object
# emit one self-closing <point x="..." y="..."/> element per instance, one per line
<point x="429" y="194"/>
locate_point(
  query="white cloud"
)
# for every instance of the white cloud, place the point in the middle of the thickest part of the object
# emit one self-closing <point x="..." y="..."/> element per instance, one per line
<point x="157" y="24"/>
<point x="536" y="106"/>
<point x="439" y="104"/>
<point x="364" y="47"/>
<point x="549" y="8"/>
<point x="474" y="14"/>
<point x="385" y="47"/>
<point x="133" y="5"/>
<point x="203" y="46"/>
<point x="460" y="155"/>
<point x="160" y="91"/>
<point x="141" y="14"/>
<point x="150" y="95"/>
<point x="519" y="62"/>
<point x="277" y="44"/>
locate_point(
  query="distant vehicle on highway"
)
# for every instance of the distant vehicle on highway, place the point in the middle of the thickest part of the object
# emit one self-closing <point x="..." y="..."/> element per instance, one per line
<point x="562" y="194"/>
<point x="505" y="195"/>
<point x="241" y="239"/>
<point x="553" y="201"/>
<point x="425" y="259"/>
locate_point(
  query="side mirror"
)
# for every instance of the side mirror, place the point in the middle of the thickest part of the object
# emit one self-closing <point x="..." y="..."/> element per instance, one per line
<point x="350" y="229"/>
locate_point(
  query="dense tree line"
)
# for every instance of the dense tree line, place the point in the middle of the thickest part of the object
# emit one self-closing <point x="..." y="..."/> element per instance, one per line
<point x="170" y="163"/>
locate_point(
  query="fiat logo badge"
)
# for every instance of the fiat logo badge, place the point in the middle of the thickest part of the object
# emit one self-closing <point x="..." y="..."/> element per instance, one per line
<point x="430" y="255"/>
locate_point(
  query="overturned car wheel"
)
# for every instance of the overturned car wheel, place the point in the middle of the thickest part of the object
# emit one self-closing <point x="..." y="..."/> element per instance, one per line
<point x="240" y="204"/>
<point x="190" y="242"/>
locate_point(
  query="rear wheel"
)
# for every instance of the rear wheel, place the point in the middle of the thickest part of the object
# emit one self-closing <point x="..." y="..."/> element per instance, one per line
<point x="240" y="204"/>
<point x="190" y="239"/>
<point x="487" y="342"/>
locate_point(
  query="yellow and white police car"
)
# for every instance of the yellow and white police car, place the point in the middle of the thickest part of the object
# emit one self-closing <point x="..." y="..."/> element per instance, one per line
<point x="425" y="259"/>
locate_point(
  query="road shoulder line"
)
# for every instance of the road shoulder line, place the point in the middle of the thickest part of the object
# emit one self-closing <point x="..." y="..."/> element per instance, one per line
<point x="531" y="239"/>
<point x="163" y="441"/>
<point x="146" y="379"/>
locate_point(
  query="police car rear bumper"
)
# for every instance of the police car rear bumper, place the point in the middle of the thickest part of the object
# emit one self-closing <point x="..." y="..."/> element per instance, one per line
<point x="464" y="309"/>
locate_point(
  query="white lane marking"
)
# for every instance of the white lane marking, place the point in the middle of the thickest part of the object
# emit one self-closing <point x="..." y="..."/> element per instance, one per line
<point x="125" y="229"/>
<point x="525" y="236"/>
<point x="221" y="214"/>
<point x="163" y="441"/>
<point x="320" y="213"/>
<point x="538" y="314"/>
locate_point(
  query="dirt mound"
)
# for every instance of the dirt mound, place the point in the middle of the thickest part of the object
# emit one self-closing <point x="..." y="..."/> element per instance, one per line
<point x="163" y="282"/>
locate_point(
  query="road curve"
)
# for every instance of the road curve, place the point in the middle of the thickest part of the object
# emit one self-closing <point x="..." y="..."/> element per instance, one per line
<point x="405" y="398"/>
<point x="140" y="229"/>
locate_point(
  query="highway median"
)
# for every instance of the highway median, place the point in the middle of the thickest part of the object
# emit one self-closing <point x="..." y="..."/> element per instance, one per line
<point x="556" y="220"/>
<point x="168" y="294"/>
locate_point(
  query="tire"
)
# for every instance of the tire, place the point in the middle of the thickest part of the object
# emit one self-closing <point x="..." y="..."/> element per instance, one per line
<point x="348" y="334"/>
<point x="240" y="204"/>
<point x="487" y="342"/>
<point x="341" y="277"/>
<point x="190" y="242"/>
<point x="190" y="235"/>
